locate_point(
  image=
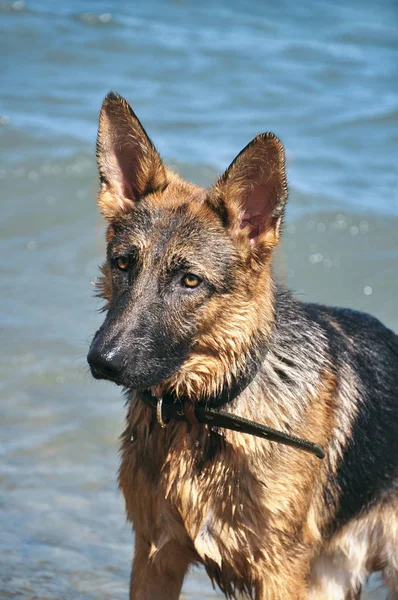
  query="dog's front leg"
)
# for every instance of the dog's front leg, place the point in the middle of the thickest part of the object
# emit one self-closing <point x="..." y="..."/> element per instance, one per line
<point x="158" y="575"/>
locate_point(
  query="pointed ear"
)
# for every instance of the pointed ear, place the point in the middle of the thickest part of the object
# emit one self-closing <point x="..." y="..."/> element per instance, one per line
<point x="252" y="193"/>
<point x="128" y="162"/>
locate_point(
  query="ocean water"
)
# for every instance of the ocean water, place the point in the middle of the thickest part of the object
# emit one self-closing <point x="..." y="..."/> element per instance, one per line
<point x="204" y="78"/>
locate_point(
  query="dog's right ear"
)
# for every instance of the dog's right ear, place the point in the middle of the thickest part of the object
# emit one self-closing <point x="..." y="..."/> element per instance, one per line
<point x="129" y="164"/>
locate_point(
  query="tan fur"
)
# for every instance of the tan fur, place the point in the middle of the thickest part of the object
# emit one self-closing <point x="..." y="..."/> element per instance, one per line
<point x="187" y="511"/>
<point x="224" y="509"/>
<point x="221" y="346"/>
<point x="367" y="544"/>
<point x="256" y="516"/>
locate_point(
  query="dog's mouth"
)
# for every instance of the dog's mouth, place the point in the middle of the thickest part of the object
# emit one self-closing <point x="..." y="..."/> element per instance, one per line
<point x="138" y="381"/>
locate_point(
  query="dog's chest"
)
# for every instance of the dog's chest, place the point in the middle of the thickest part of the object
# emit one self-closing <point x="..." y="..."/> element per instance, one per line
<point x="192" y="489"/>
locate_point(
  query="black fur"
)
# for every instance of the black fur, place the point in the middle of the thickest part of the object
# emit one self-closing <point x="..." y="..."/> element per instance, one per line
<point x="368" y="468"/>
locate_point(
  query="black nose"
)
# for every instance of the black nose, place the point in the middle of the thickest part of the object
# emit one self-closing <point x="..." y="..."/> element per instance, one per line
<point x="105" y="364"/>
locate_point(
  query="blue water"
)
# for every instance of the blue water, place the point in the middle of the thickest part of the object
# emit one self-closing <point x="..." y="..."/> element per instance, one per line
<point x="323" y="75"/>
<point x="204" y="78"/>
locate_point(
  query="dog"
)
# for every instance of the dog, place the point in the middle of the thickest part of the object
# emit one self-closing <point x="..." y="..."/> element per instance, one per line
<point x="193" y="313"/>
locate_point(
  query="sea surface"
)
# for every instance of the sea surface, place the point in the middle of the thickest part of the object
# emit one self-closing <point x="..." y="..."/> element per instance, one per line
<point x="204" y="78"/>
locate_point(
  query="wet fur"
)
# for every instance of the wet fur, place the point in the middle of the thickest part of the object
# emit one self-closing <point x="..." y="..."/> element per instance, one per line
<point x="265" y="520"/>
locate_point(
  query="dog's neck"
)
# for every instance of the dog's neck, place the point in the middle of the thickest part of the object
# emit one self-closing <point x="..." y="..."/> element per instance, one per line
<point x="231" y="390"/>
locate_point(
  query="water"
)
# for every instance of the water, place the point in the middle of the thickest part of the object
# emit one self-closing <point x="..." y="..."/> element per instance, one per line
<point x="204" y="78"/>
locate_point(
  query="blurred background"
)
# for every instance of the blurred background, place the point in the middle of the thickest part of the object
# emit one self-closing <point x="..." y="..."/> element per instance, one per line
<point x="204" y="78"/>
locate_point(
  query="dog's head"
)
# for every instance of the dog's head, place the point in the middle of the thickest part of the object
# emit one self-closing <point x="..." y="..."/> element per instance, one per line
<point x="187" y="278"/>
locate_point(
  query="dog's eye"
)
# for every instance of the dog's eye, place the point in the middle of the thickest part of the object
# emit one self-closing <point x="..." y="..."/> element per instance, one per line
<point x="190" y="281"/>
<point x="123" y="263"/>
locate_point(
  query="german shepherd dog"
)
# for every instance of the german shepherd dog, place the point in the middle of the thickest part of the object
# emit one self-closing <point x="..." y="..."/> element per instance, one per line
<point x="193" y="311"/>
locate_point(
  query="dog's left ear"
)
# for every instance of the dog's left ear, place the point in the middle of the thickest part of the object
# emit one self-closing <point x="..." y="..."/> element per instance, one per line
<point x="252" y="193"/>
<point x="129" y="164"/>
